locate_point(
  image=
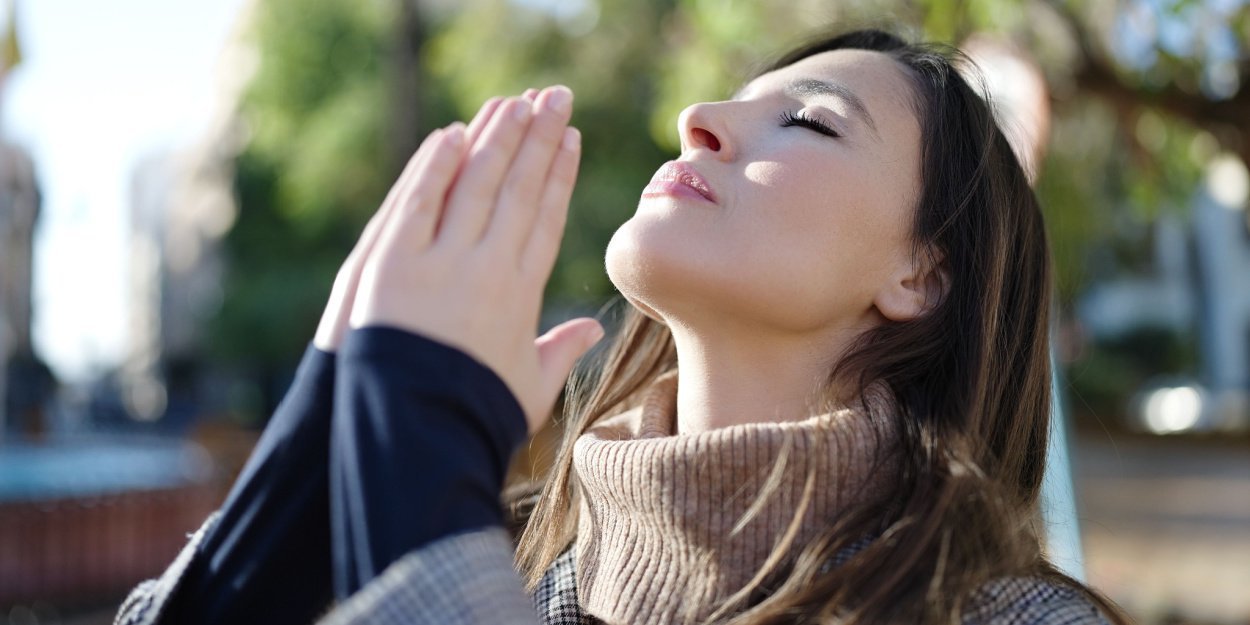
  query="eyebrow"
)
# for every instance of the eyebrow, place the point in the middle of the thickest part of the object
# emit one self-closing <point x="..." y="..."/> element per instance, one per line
<point x="811" y="86"/>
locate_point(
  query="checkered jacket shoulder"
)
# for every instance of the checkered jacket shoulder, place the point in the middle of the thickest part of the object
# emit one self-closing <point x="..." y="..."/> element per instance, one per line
<point x="1008" y="601"/>
<point x="468" y="579"/>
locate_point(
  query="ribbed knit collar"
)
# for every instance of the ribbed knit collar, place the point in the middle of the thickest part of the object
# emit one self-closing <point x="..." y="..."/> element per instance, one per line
<point x="655" y="539"/>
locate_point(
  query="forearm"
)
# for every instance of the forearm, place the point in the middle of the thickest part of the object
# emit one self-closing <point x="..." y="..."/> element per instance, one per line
<point x="267" y="556"/>
<point x="422" y="435"/>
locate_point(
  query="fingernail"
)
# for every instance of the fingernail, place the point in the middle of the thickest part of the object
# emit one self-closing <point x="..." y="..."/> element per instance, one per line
<point x="560" y="99"/>
<point x="572" y="138"/>
<point x="455" y="132"/>
<point x="520" y="110"/>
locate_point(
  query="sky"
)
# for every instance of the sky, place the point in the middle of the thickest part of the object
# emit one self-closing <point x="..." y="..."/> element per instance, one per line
<point x="100" y="86"/>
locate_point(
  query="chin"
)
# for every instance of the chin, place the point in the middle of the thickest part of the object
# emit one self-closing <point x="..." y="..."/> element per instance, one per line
<point x="627" y="269"/>
<point x="663" y="274"/>
<point x="671" y="275"/>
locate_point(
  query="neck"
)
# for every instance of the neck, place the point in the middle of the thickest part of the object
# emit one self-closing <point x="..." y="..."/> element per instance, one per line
<point x="728" y="378"/>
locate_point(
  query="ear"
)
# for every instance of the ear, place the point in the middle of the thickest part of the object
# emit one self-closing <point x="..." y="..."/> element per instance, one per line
<point x="918" y="286"/>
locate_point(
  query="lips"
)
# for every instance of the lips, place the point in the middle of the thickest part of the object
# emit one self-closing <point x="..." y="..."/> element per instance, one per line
<point x="677" y="178"/>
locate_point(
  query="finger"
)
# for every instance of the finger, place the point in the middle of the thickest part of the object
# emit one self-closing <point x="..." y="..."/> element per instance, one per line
<point x="411" y="227"/>
<point x="403" y="187"/>
<point x="488" y="109"/>
<point x="558" y="350"/>
<point x="401" y="184"/>
<point x="518" y="203"/>
<point x="540" y="251"/>
<point x="335" y="319"/>
<point x="473" y="198"/>
<point x="480" y="120"/>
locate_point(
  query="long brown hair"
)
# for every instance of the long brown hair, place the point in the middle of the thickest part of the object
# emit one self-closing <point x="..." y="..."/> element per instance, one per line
<point x="970" y="381"/>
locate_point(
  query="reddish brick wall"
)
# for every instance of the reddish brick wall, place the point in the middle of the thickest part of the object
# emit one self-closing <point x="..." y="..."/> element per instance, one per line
<point x="93" y="547"/>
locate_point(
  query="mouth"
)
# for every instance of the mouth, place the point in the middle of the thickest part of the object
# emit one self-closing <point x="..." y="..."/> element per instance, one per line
<point x="679" y="179"/>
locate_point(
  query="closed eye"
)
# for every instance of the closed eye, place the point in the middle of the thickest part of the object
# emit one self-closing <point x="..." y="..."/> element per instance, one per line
<point x="790" y="118"/>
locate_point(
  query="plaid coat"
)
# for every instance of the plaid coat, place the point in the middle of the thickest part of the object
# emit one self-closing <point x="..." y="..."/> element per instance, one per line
<point x="1013" y="601"/>
<point x="468" y="579"/>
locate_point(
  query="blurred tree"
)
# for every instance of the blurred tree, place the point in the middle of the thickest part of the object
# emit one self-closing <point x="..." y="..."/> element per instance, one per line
<point x="334" y="109"/>
<point x="1144" y="93"/>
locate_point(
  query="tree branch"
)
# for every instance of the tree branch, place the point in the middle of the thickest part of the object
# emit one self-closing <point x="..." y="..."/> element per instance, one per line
<point x="1096" y="75"/>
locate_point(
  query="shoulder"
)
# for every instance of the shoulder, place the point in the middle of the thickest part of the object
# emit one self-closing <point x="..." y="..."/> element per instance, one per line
<point x="1031" y="601"/>
<point x="463" y="579"/>
<point x="147" y="602"/>
<point x="555" y="597"/>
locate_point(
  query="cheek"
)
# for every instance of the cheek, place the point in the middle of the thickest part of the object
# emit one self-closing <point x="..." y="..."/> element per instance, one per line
<point x="828" y="231"/>
<point x="824" y="216"/>
<point x="792" y="198"/>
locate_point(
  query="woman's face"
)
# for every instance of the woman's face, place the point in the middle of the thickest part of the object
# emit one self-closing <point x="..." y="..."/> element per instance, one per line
<point x="790" y="207"/>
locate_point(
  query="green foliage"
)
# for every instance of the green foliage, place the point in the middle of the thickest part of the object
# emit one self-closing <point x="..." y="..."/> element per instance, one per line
<point x="314" y="105"/>
<point x="312" y="172"/>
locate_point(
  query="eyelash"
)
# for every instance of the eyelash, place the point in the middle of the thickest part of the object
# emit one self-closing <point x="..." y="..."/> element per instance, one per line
<point x="790" y="118"/>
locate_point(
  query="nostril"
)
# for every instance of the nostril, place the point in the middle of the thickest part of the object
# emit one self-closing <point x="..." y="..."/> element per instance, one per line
<point x="707" y="139"/>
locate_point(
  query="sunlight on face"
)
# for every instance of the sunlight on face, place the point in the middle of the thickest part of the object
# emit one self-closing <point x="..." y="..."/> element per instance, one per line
<point x="790" y="208"/>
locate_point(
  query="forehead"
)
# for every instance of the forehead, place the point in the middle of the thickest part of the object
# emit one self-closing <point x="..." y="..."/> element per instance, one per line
<point x="874" y="78"/>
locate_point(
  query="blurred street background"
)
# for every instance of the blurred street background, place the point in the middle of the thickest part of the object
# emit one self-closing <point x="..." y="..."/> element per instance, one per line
<point x="180" y="179"/>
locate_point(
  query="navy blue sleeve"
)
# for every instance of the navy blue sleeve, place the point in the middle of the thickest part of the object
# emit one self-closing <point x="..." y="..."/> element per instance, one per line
<point x="422" y="436"/>
<point x="267" y="559"/>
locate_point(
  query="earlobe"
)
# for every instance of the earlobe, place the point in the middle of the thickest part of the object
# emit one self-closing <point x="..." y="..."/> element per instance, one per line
<point x="917" y="291"/>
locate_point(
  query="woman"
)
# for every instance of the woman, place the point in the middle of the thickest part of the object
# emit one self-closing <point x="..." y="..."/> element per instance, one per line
<point x="828" y="402"/>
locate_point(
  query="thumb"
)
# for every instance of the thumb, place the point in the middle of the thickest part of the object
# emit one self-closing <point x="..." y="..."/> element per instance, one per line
<point x="560" y="348"/>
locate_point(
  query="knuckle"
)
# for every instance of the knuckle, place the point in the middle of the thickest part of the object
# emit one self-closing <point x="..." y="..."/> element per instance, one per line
<point x="548" y="129"/>
<point x="423" y="196"/>
<point x="518" y="189"/>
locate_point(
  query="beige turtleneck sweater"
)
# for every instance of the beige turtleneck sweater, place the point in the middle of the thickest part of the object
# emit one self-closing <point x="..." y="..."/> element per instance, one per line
<point x="656" y="539"/>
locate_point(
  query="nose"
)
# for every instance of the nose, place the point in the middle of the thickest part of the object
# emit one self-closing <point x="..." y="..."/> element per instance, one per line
<point x="702" y="126"/>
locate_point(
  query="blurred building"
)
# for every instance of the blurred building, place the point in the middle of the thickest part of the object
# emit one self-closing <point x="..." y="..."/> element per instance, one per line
<point x="25" y="382"/>
<point x="19" y="209"/>
<point x="182" y="205"/>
